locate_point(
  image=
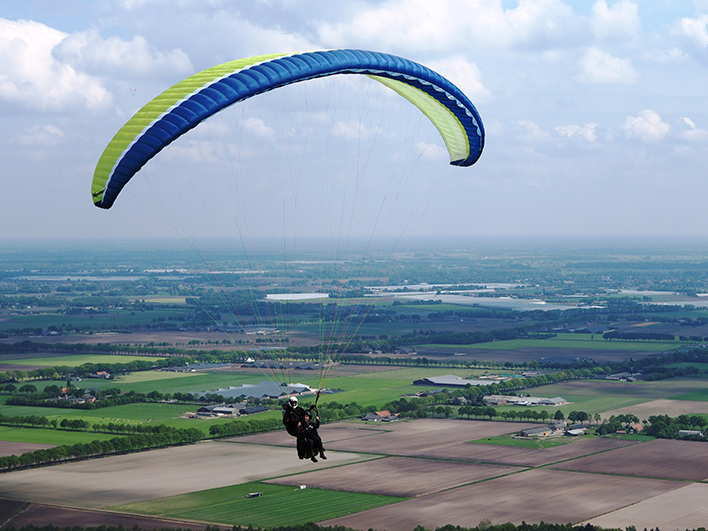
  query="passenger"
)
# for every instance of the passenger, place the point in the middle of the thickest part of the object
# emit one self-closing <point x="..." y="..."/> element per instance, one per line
<point x="309" y="438"/>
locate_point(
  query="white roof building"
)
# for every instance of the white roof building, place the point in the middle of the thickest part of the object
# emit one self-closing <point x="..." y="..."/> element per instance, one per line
<point x="450" y="380"/>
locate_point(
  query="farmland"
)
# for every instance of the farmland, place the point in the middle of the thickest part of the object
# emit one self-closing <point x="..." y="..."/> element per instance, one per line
<point x="402" y="471"/>
<point x="440" y="464"/>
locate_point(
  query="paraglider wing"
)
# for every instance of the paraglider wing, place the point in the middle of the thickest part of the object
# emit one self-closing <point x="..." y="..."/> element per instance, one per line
<point x="183" y="106"/>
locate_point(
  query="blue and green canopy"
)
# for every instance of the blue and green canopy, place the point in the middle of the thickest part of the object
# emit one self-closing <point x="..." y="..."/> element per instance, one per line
<point x="191" y="101"/>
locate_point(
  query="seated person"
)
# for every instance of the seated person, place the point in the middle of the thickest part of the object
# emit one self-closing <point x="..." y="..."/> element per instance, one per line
<point x="292" y="415"/>
<point x="309" y="438"/>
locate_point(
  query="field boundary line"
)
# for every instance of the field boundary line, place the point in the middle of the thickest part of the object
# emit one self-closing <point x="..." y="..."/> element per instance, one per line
<point x="447" y="489"/>
<point x="328" y="467"/>
<point x="633" y="443"/>
<point x="686" y="481"/>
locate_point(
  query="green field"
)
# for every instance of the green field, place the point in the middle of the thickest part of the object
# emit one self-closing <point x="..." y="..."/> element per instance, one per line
<point x="138" y="414"/>
<point x="192" y="382"/>
<point x="109" y="319"/>
<point x="366" y="390"/>
<point x="278" y="505"/>
<point x="73" y="360"/>
<point x="699" y="396"/>
<point x="537" y="443"/>
<point x="416" y="373"/>
<point x="168" y="381"/>
<point x="51" y="436"/>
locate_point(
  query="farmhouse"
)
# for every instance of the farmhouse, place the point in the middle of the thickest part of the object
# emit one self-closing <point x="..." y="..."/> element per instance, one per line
<point x="252" y="410"/>
<point x="218" y="409"/>
<point x="537" y="431"/>
<point x="524" y="400"/>
<point x="451" y="380"/>
<point x="193" y="367"/>
<point x="575" y="432"/>
<point x="689" y="433"/>
<point x="275" y="364"/>
<point x="624" y="376"/>
<point x="380" y="416"/>
<point x="557" y="401"/>
<point x="259" y="390"/>
<point x="225" y="410"/>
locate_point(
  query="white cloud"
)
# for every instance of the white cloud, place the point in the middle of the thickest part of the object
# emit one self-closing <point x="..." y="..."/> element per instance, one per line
<point x="116" y="57"/>
<point x="257" y="127"/>
<point x="663" y="56"/>
<point x="691" y="132"/>
<point x="349" y="130"/>
<point x="597" y="66"/>
<point x="586" y="131"/>
<point x="33" y="77"/>
<point x="647" y="127"/>
<point x="463" y="74"/>
<point x="42" y="136"/>
<point x="541" y="21"/>
<point x="432" y="151"/>
<point x="422" y="25"/>
<point x="615" y="22"/>
<point x="693" y="33"/>
<point x="532" y="131"/>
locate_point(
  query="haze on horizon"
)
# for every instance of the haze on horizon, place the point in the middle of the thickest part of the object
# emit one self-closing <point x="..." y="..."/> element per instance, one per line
<point x="596" y="115"/>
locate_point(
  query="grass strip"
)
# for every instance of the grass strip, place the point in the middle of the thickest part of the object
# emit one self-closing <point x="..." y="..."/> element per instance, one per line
<point x="278" y="505"/>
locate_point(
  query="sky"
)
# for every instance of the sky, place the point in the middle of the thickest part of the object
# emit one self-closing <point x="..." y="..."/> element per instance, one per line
<point x="596" y="113"/>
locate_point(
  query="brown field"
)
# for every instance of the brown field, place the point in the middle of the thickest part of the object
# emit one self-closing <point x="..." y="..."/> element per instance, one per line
<point x="8" y="508"/>
<point x="521" y="355"/>
<point x="530" y="496"/>
<point x="451" y="481"/>
<point x="645" y="390"/>
<point x="42" y="515"/>
<point x="157" y="336"/>
<point x="19" y="448"/>
<point x="434" y="440"/>
<point x="122" y="479"/>
<point x="438" y="439"/>
<point x="660" y="458"/>
<point x="672" y="408"/>
<point x="398" y="476"/>
<point x="683" y="508"/>
<point x="14" y="367"/>
<point x="339" y="370"/>
<point x="404" y="438"/>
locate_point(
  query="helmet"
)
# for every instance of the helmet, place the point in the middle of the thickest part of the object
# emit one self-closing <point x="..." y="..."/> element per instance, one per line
<point x="293" y="400"/>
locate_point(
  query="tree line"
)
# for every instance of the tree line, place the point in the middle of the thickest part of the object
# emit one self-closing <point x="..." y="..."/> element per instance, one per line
<point x="638" y="336"/>
<point x="117" y="445"/>
<point x="665" y="427"/>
